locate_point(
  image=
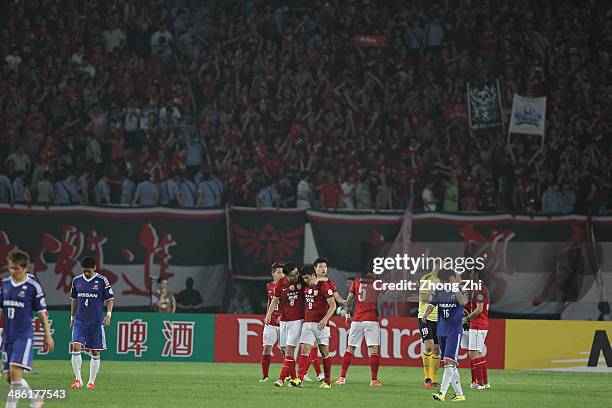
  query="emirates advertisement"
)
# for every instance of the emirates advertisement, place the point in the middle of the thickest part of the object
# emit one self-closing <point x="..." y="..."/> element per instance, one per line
<point x="238" y="339"/>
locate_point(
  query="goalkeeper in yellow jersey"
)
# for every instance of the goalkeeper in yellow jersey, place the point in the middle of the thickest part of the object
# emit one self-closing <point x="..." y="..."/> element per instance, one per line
<point x="430" y="351"/>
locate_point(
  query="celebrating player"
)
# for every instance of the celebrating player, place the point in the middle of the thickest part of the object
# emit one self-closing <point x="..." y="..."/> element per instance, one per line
<point x="271" y="333"/>
<point x="450" y="313"/>
<point x="21" y="295"/>
<point x="320" y="307"/>
<point x="90" y="292"/>
<point x="365" y="324"/>
<point x="430" y="349"/>
<point x="478" y="318"/>
<point x="289" y="298"/>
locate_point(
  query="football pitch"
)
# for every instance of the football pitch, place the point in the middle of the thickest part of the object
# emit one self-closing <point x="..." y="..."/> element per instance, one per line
<point x="155" y="384"/>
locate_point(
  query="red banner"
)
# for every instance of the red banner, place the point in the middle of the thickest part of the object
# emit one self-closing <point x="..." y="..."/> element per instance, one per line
<point x="238" y="339"/>
<point x="369" y="41"/>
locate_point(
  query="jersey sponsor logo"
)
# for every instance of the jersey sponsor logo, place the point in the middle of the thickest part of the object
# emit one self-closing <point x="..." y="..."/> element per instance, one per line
<point x="13" y="303"/>
<point x="87" y="295"/>
<point x="447" y="305"/>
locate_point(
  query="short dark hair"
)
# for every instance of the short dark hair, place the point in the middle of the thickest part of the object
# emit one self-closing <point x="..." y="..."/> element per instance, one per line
<point x="276" y="265"/>
<point x="19" y="257"/>
<point x="308" y="270"/>
<point x="320" y="260"/>
<point x="288" y="267"/>
<point x="161" y="279"/>
<point x="445" y="274"/>
<point x="88" y="262"/>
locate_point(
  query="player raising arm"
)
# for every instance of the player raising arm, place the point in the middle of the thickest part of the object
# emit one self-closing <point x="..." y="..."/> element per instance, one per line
<point x="21" y="295"/>
<point x="365" y="324"/>
<point x="90" y="292"/>
<point x="320" y="307"/>
<point x="450" y="313"/>
<point x="271" y="333"/>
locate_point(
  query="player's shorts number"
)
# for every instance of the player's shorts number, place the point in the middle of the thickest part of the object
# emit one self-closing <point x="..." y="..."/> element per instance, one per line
<point x="425" y="331"/>
<point x="11" y="312"/>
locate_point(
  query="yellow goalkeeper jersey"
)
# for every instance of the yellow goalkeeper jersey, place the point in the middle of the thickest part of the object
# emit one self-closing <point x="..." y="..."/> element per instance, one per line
<point x="433" y="316"/>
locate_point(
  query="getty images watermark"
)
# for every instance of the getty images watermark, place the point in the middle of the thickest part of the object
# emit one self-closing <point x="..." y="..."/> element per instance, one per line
<point x="407" y="264"/>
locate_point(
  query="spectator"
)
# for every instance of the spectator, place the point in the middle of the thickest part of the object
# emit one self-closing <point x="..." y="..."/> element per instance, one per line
<point x="19" y="160"/>
<point x="363" y="198"/>
<point x="169" y="190"/>
<point x="429" y="202"/>
<point x="146" y="193"/>
<point x="348" y="192"/>
<point x="188" y="196"/>
<point x="6" y="188"/>
<point x="163" y="299"/>
<point x="19" y="188"/>
<point x="45" y="190"/>
<point x="128" y="188"/>
<point x="194" y="155"/>
<point x="102" y="191"/>
<point x="552" y="200"/>
<point x="568" y="199"/>
<point x="331" y="193"/>
<point x="286" y="192"/>
<point x="65" y="191"/>
<point x="267" y="196"/>
<point x="304" y="192"/>
<point x="451" y="197"/>
<point x="209" y="195"/>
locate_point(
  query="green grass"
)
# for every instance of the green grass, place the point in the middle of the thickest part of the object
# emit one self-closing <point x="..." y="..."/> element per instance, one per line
<point x="164" y="384"/>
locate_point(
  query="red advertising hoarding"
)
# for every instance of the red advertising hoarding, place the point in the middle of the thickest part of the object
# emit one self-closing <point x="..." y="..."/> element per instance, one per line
<point x="238" y="339"/>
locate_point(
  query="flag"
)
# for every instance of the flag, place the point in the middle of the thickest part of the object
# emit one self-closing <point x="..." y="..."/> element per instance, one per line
<point x="484" y="105"/>
<point x="528" y="115"/>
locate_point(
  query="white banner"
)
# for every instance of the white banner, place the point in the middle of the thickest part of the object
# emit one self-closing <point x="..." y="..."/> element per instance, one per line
<point x="528" y="115"/>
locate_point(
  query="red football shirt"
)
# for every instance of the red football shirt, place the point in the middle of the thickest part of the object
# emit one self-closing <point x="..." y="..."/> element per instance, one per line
<point x="276" y="314"/>
<point x="365" y="300"/>
<point x="316" y="301"/>
<point x="291" y="299"/>
<point x="480" y="322"/>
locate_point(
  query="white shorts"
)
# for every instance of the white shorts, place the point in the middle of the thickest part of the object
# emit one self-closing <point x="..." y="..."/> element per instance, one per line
<point x="359" y="330"/>
<point x="310" y="333"/>
<point x="474" y="340"/>
<point x="290" y="333"/>
<point x="271" y="335"/>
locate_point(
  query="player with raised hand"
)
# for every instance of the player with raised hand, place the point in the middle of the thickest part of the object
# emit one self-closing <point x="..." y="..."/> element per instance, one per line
<point x="320" y="307"/>
<point x="450" y="314"/>
<point x="365" y="324"/>
<point x="20" y="296"/>
<point x="289" y="299"/>
<point x="430" y="351"/>
<point x="90" y="292"/>
<point x="271" y="333"/>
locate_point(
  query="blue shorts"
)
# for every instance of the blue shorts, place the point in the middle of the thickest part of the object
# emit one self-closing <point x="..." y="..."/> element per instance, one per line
<point x="91" y="337"/>
<point x="19" y="353"/>
<point x="449" y="346"/>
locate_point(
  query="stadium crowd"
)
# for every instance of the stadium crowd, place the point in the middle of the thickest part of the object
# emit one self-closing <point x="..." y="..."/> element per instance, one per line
<point x="307" y="103"/>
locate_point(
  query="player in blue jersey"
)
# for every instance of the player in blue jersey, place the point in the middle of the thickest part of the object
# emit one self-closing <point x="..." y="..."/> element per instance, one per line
<point x="450" y="313"/>
<point x="20" y="296"/>
<point x="90" y="292"/>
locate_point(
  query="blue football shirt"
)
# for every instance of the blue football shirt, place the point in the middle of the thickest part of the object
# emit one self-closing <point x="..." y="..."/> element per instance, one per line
<point x="18" y="302"/>
<point x="450" y="312"/>
<point x="90" y="296"/>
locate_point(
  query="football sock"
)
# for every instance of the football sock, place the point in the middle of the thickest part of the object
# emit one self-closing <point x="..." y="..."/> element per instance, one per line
<point x="327" y="369"/>
<point x="292" y="371"/>
<point x="426" y="364"/>
<point x="265" y="365"/>
<point x="446" y="379"/>
<point x="456" y="381"/>
<point x="21" y="386"/>
<point x="435" y="366"/>
<point x="477" y="375"/>
<point x="304" y="363"/>
<point x="94" y="366"/>
<point x="346" y="362"/>
<point x="374" y="364"/>
<point x="314" y="360"/>
<point x="77" y="361"/>
<point x="286" y="367"/>
<point x="473" y="368"/>
<point x="484" y="371"/>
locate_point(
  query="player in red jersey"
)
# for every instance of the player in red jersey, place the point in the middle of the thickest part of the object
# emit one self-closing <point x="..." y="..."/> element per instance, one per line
<point x="289" y="298"/>
<point x="474" y="339"/>
<point x="320" y="307"/>
<point x="320" y="265"/>
<point x="365" y="324"/>
<point x="271" y="333"/>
